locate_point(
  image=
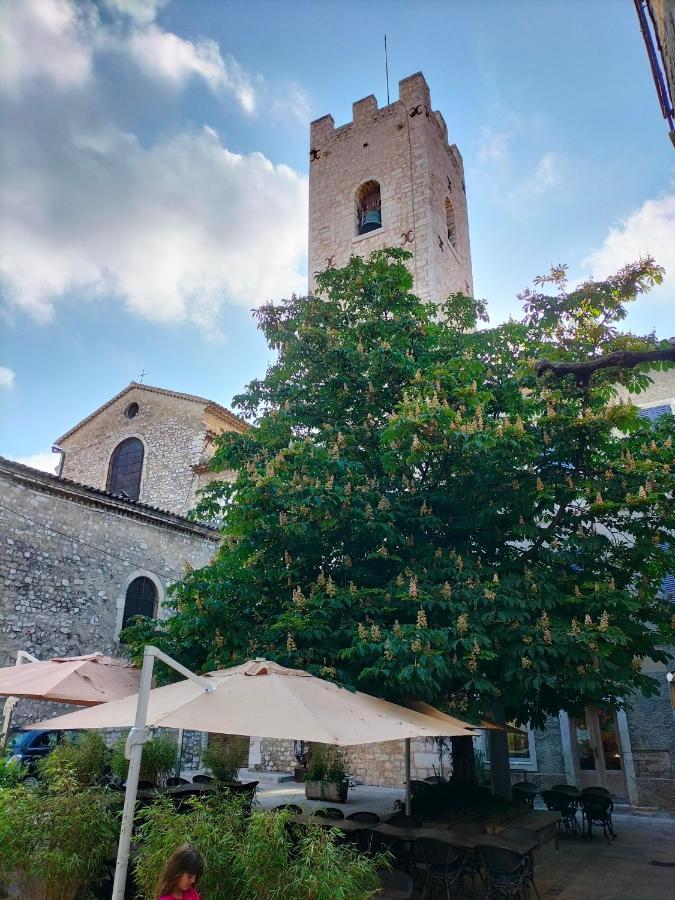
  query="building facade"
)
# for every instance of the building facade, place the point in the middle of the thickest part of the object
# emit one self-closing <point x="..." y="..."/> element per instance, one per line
<point x="148" y="444"/>
<point x="389" y="178"/>
<point x="77" y="562"/>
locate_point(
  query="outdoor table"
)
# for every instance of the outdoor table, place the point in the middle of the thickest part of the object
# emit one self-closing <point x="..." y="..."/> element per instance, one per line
<point x="517" y="845"/>
<point x="346" y="825"/>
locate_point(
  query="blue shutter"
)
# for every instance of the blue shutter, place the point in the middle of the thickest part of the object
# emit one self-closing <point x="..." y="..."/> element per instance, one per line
<point x="668" y="588"/>
<point x="654" y="412"/>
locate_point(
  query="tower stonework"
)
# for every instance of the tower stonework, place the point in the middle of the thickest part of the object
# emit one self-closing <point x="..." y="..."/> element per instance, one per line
<point x="398" y="157"/>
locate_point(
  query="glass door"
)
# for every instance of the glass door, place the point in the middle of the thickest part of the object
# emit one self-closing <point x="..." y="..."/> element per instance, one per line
<point x="598" y="751"/>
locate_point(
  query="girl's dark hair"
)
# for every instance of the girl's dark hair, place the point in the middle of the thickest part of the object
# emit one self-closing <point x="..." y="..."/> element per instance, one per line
<point x="185" y="860"/>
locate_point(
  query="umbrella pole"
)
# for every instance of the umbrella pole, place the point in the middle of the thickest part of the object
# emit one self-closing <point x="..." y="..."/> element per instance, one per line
<point x="134" y="750"/>
<point x="408" y="799"/>
<point x="10" y="702"/>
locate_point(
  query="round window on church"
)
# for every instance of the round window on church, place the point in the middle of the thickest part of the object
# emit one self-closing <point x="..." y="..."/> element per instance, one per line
<point x="131" y="410"/>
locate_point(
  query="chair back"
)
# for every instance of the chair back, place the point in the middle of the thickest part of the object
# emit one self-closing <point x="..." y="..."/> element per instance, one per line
<point x="329" y="812"/>
<point x="368" y="818"/>
<point x="438" y="853"/>
<point x="202" y="779"/>
<point x="403" y="821"/>
<point x="174" y="781"/>
<point x="595" y="806"/>
<point x="292" y="808"/>
<point x="565" y="788"/>
<point x="436" y="779"/>
<point x="596" y="789"/>
<point x="501" y="860"/>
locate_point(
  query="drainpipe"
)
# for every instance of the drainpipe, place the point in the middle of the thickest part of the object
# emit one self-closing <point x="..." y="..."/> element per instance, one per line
<point x="57" y="449"/>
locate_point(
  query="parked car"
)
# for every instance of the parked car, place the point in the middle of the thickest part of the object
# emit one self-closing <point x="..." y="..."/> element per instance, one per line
<point x="28" y="747"/>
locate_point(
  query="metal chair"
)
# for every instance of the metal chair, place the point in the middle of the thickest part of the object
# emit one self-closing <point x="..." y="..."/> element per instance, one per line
<point x="436" y="779"/>
<point x="472" y="866"/>
<point x="442" y="867"/>
<point x="596" y="809"/>
<point x="506" y="871"/>
<point x="292" y="808"/>
<point x="526" y="790"/>
<point x="329" y="812"/>
<point x="401" y="820"/>
<point x="368" y="818"/>
<point x="566" y="805"/>
<point x="175" y="781"/>
<point x="202" y="779"/>
<point x="518" y="832"/>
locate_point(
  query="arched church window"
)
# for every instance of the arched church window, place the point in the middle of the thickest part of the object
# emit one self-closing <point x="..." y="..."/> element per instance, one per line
<point x="140" y="600"/>
<point x="126" y="467"/>
<point x="450" y="223"/>
<point x="368" y="207"/>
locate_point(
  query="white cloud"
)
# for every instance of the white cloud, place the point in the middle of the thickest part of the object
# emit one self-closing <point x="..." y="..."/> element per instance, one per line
<point x="167" y="57"/>
<point x="295" y="104"/>
<point x="141" y="11"/>
<point x="493" y="145"/>
<point x="45" y="462"/>
<point x="647" y="231"/>
<point x="177" y="228"/>
<point x="45" y="39"/>
<point x="6" y="378"/>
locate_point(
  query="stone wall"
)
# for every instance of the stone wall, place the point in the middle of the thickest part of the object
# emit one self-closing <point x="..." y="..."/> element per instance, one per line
<point x="177" y="434"/>
<point x="651" y="726"/>
<point x="404" y="147"/>
<point x="68" y="556"/>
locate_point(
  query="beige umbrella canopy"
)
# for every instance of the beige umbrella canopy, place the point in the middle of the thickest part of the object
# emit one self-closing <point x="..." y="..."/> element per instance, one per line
<point x="261" y="697"/>
<point x="80" y="680"/>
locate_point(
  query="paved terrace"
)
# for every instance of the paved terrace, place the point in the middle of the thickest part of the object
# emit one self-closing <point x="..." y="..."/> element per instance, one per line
<point x="638" y="865"/>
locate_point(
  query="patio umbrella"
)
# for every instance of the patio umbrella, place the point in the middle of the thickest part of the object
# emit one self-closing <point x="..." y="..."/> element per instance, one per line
<point x="262" y="697"/>
<point x="256" y="698"/>
<point x="79" y="680"/>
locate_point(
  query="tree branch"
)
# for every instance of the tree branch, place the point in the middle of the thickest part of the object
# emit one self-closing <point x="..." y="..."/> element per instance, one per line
<point x="620" y="359"/>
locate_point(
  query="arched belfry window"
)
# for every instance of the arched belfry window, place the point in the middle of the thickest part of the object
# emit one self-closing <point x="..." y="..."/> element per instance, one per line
<point x="126" y="467"/>
<point x="140" y="600"/>
<point x="368" y="208"/>
<point x="450" y="223"/>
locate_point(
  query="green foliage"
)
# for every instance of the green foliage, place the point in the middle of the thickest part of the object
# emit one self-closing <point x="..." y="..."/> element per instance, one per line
<point x="56" y="843"/>
<point x="76" y="764"/>
<point x="251" y="856"/>
<point x="11" y="772"/>
<point x="224" y="757"/>
<point x="416" y="513"/>
<point x="157" y="761"/>
<point x="326" y="762"/>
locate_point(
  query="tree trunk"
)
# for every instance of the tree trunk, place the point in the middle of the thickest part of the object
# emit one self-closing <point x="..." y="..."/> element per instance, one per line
<point x="463" y="764"/>
<point x="500" y="769"/>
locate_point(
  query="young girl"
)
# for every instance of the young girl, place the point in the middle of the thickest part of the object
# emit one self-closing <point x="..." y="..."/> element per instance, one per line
<point x="180" y="875"/>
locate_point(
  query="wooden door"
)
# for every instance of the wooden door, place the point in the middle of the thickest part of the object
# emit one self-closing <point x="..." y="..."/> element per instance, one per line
<point x="598" y="751"/>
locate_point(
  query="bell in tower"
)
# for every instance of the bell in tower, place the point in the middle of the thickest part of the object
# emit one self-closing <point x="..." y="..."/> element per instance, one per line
<point x="368" y="208"/>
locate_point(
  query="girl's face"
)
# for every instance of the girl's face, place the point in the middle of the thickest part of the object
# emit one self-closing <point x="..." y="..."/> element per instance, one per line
<point x="186" y="881"/>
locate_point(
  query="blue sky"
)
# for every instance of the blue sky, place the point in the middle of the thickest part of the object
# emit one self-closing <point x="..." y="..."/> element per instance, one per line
<point x="155" y="159"/>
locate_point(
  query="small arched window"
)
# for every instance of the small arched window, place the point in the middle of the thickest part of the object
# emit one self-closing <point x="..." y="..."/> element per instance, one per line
<point x="140" y="600"/>
<point x="368" y="208"/>
<point x="126" y="467"/>
<point x="450" y="223"/>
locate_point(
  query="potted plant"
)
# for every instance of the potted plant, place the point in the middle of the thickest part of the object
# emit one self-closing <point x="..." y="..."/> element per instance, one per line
<point x="158" y="760"/>
<point x="224" y="757"/>
<point x="326" y="776"/>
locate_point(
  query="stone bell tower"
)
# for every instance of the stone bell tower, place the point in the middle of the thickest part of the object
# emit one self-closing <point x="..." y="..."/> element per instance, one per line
<point x="389" y="178"/>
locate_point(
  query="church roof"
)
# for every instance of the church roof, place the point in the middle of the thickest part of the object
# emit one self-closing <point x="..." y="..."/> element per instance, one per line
<point x="84" y="493"/>
<point x="228" y="417"/>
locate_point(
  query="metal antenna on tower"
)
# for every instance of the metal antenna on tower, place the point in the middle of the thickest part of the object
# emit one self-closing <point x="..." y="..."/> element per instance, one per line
<point x="386" y="66"/>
